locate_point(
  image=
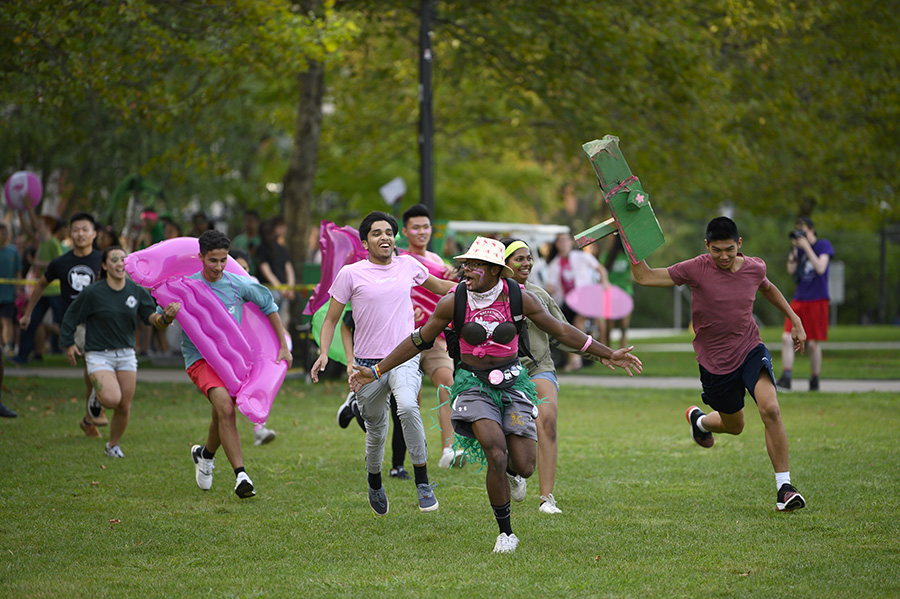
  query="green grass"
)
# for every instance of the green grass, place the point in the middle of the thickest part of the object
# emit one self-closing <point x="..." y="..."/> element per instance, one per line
<point x="836" y="363"/>
<point x="646" y="512"/>
<point x="772" y="335"/>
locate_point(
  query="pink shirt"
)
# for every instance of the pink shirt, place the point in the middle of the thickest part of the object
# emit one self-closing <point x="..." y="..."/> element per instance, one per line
<point x="489" y="318"/>
<point x="424" y="301"/>
<point x="379" y="297"/>
<point x="722" y="309"/>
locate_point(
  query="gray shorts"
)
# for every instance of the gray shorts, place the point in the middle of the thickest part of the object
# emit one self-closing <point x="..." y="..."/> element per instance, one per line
<point x="517" y="418"/>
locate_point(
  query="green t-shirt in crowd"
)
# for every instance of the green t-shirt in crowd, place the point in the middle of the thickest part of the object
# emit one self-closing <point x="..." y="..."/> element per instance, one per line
<point x="538" y="339"/>
<point x="110" y="315"/>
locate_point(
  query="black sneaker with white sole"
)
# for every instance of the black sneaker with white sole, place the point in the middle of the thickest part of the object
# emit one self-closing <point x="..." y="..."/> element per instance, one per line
<point x="378" y="501"/>
<point x="95" y="409"/>
<point x="702" y="439"/>
<point x="345" y="413"/>
<point x="789" y="499"/>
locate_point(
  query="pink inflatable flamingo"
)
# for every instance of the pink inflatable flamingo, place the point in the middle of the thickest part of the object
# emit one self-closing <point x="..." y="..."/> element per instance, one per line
<point x="243" y="355"/>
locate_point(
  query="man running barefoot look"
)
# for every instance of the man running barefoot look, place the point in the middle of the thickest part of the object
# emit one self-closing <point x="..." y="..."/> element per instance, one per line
<point x="493" y="396"/>
<point x="379" y="291"/>
<point x="731" y="353"/>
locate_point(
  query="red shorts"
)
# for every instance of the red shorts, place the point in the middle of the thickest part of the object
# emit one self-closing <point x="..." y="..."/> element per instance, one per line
<point x="814" y="316"/>
<point x="204" y="376"/>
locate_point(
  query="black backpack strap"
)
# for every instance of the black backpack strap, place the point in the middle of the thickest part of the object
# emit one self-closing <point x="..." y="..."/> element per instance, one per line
<point x="516" y="310"/>
<point x="459" y="307"/>
<point x="451" y="333"/>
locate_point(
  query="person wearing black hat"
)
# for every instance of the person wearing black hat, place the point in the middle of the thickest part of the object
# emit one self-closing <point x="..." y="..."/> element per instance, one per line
<point x="808" y="263"/>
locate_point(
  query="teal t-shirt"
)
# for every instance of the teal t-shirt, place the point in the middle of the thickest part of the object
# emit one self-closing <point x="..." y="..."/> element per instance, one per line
<point x="10" y="268"/>
<point x="234" y="291"/>
<point x="109" y="315"/>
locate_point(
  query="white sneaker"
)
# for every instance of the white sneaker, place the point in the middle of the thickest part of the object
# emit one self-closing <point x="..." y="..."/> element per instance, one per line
<point x="203" y="468"/>
<point x="517" y="487"/>
<point x="548" y="505"/>
<point x="506" y="543"/>
<point x="243" y="486"/>
<point x="263" y="435"/>
<point x="114" y="451"/>
<point x="451" y="458"/>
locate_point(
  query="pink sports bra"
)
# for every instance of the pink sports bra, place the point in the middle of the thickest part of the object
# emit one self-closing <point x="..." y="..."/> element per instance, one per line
<point x="489" y="331"/>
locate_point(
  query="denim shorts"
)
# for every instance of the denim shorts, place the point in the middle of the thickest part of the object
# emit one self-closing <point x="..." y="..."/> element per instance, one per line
<point x="111" y="359"/>
<point x="550" y="375"/>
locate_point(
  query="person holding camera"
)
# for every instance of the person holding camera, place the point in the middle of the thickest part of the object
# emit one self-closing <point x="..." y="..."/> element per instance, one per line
<point x="808" y="264"/>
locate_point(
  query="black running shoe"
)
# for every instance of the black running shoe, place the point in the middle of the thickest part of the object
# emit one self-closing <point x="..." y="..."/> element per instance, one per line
<point x="702" y="439"/>
<point x="814" y="383"/>
<point x="399" y="472"/>
<point x="243" y="486"/>
<point x="378" y="500"/>
<point x="95" y="409"/>
<point x="345" y="412"/>
<point x="789" y="499"/>
<point x="783" y="383"/>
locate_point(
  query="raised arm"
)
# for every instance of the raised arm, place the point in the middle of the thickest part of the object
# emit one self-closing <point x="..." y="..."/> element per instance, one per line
<point x="651" y="277"/>
<point x="439" y="286"/>
<point x="571" y="336"/>
<point x="819" y="261"/>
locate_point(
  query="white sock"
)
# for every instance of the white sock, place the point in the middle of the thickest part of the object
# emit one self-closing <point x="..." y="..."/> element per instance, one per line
<point x="700" y="424"/>
<point x="782" y="478"/>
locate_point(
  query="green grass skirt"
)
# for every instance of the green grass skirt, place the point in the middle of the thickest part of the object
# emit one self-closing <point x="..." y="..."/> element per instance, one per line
<point x="465" y="380"/>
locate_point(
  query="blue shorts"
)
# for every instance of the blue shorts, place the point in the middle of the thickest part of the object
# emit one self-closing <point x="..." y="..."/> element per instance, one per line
<point x="550" y="375"/>
<point x="725" y="392"/>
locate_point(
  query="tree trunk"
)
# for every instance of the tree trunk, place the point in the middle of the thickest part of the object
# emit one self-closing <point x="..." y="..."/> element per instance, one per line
<point x="298" y="181"/>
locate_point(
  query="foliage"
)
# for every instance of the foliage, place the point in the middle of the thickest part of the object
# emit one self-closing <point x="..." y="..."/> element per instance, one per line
<point x="184" y="94"/>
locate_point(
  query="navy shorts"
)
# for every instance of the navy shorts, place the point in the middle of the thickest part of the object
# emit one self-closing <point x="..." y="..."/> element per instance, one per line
<point x="725" y="392"/>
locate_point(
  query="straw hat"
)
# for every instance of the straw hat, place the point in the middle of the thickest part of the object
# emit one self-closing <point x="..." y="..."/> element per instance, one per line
<point x="487" y="250"/>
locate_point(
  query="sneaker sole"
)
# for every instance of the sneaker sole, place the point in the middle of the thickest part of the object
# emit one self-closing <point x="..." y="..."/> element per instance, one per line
<point x="245" y="490"/>
<point x="706" y="444"/>
<point x="794" y="503"/>
<point x="431" y="508"/>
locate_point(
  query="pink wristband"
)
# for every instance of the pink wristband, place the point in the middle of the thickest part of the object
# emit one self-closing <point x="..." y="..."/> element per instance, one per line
<point x="587" y="343"/>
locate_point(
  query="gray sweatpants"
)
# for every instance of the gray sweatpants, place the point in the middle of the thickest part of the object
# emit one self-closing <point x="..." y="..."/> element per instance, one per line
<point x="404" y="382"/>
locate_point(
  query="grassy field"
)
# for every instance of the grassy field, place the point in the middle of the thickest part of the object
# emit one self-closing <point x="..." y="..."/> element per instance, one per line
<point x="646" y="512"/>
<point x="836" y="363"/>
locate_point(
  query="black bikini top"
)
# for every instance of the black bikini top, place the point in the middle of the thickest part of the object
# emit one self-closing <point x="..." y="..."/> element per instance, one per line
<point x="475" y="334"/>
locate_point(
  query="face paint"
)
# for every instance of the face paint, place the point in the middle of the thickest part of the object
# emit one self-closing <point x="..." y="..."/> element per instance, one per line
<point x="476" y="270"/>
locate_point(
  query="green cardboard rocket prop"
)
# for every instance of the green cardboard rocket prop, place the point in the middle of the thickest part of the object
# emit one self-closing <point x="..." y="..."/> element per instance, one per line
<point x="629" y="204"/>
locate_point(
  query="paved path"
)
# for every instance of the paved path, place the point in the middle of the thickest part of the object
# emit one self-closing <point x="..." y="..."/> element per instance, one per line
<point x="618" y="380"/>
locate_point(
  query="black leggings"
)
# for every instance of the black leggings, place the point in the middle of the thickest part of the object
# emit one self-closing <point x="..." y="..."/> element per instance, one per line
<point x="398" y="443"/>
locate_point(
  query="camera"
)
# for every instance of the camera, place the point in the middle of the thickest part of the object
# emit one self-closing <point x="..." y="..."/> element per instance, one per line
<point x="797" y="234"/>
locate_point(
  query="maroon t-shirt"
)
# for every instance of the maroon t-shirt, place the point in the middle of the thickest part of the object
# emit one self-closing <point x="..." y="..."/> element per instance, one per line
<point x="722" y="309"/>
